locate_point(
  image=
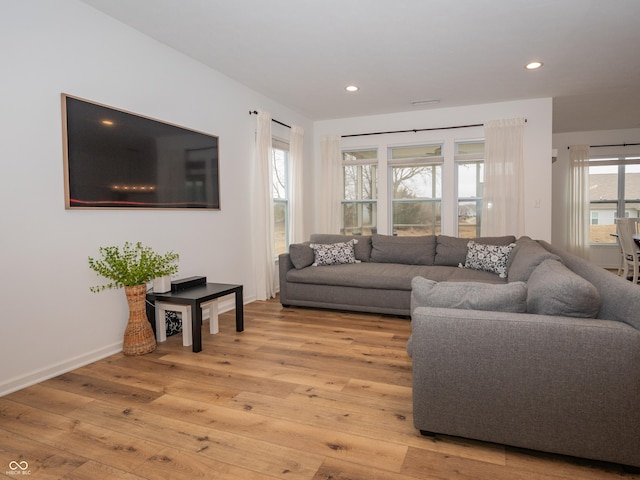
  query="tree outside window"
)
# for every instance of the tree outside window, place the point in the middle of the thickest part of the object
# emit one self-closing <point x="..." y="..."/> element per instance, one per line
<point x="469" y="157"/>
<point x="360" y="181"/>
<point x="416" y="189"/>
<point x="280" y="188"/>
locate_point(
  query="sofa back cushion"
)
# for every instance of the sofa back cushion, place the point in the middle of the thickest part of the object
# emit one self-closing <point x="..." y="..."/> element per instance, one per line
<point x="508" y="297"/>
<point x="406" y="250"/>
<point x="553" y="289"/>
<point x="526" y="256"/>
<point x="301" y="254"/>
<point x="452" y="251"/>
<point x="362" y="248"/>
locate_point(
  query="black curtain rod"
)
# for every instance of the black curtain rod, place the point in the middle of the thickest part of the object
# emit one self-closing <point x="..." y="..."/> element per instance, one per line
<point x="254" y="112"/>
<point x="415" y="130"/>
<point x="611" y="145"/>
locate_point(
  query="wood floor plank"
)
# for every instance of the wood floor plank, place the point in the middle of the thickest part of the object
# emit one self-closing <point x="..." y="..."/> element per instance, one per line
<point x="266" y="368"/>
<point x="95" y="387"/>
<point x="50" y="399"/>
<point x="300" y="436"/>
<point x="43" y="461"/>
<point x="301" y="394"/>
<point x="176" y="432"/>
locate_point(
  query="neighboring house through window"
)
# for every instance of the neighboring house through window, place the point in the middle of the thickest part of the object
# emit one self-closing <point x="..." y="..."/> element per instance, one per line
<point x="614" y="191"/>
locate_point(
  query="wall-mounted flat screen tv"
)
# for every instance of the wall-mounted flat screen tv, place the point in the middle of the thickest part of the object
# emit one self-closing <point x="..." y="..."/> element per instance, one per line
<point x="116" y="159"/>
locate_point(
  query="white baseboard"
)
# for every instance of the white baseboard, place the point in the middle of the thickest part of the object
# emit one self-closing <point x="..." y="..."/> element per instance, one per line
<point x="43" y="374"/>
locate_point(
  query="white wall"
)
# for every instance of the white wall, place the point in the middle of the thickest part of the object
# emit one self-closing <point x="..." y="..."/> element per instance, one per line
<point x="50" y="322"/>
<point x="537" y="146"/>
<point x="604" y="255"/>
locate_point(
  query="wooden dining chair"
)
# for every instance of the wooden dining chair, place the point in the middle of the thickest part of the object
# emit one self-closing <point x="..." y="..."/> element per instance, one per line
<point x="625" y="228"/>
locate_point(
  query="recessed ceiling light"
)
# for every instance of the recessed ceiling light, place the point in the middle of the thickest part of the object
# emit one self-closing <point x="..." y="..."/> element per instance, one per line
<point x="107" y="122"/>
<point x="352" y="88"/>
<point x="533" y="65"/>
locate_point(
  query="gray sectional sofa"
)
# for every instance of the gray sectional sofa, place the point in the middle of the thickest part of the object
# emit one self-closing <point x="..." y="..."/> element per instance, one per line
<point x="381" y="281"/>
<point x="547" y="358"/>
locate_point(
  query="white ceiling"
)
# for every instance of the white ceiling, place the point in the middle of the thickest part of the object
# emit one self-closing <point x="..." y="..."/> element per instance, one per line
<point x="302" y="53"/>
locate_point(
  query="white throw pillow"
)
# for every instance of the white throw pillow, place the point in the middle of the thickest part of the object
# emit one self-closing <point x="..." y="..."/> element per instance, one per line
<point x="334" y="253"/>
<point x="488" y="258"/>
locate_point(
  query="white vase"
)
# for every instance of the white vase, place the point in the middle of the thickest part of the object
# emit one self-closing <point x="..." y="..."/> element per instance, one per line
<point x="162" y="284"/>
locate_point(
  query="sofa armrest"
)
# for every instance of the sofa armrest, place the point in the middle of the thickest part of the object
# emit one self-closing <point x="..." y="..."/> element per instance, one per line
<point x="558" y="384"/>
<point x="284" y="265"/>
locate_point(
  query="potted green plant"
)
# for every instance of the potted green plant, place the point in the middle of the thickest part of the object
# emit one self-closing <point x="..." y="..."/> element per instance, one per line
<point x="132" y="267"/>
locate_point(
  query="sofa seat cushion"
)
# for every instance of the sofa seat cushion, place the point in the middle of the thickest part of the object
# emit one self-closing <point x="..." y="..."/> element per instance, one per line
<point x="553" y="289"/>
<point x="510" y="297"/>
<point x="391" y="276"/>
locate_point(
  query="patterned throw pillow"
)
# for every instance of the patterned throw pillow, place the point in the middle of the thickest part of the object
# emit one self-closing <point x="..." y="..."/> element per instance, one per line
<point x="334" y="253"/>
<point x="174" y="322"/>
<point x="488" y="258"/>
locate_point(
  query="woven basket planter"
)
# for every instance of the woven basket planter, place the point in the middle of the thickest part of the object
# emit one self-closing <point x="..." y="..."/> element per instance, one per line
<point x="138" y="336"/>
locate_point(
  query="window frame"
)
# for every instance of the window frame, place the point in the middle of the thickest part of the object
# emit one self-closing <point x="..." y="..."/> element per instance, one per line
<point x="359" y="202"/>
<point x="408" y="162"/>
<point x="447" y="138"/>
<point x="462" y="159"/>
<point x="621" y="161"/>
<point x="281" y="145"/>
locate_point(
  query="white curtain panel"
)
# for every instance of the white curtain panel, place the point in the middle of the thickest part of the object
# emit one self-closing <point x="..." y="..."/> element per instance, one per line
<point x="331" y="191"/>
<point x="263" y="210"/>
<point x="579" y="200"/>
<point x="503" y="205"/>
<point x="296" y="158"/>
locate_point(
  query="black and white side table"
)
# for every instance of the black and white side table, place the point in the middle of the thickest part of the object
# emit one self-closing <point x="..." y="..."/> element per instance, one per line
<point x="190" y="302"/>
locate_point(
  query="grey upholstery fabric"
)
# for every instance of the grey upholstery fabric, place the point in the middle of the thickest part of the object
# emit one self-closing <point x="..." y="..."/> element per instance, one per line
<point x="619" y="297"/>
<point x="452" y="251"/>
<point x="511" y="297"/>
<point x="556" y="290"/>
<point x="550" y="383"/>
<point x="525" y="257"/>
<point x="404" y="250"/>
<point x="301" y="254"/>
<point x="385" y="275"/>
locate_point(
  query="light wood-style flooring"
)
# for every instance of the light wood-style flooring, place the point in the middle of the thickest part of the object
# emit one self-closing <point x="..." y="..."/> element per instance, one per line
<point x="300" y="394"/>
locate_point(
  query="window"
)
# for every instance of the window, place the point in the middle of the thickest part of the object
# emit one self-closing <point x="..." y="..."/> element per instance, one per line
<point x="614" y="191"/>
<point x="470" y="182"/>
<point x="280" y="188"/>
<point x="360" y="182"/>
<point x="429" y="184"/>
<point x="416" y="189"/>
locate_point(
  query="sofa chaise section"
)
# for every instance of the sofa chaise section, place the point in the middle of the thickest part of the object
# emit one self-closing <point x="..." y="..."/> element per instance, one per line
<point x="560" y="383"/>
